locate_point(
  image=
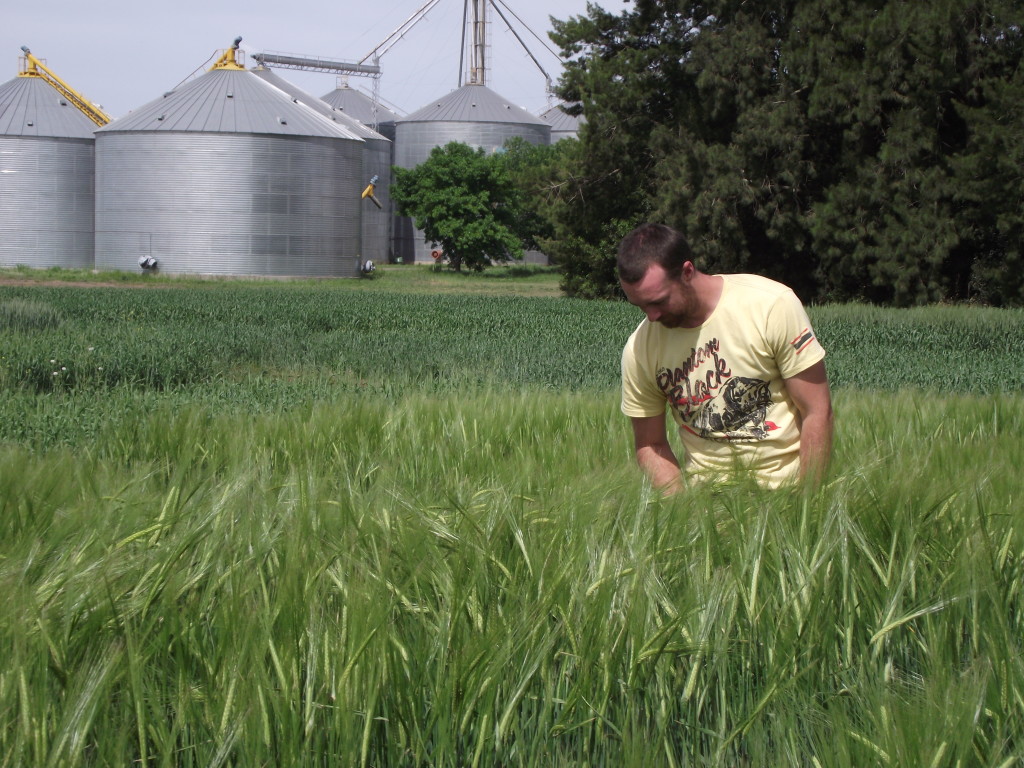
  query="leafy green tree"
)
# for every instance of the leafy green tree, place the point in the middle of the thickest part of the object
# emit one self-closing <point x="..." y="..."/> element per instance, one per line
<point x="854" y="149"/>
<point x="464" y="201"/>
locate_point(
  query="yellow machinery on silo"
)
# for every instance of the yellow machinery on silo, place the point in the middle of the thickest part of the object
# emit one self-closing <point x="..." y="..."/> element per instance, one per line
<point x="229" y="59"/>
<point x="36" y="68"/>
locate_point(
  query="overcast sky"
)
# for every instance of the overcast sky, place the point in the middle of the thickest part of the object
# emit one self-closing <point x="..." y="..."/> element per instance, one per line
<point x="122" y="54"/>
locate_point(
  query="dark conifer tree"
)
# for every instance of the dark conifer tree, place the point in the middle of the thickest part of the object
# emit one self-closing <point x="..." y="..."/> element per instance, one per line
<point x="854" y="149"/>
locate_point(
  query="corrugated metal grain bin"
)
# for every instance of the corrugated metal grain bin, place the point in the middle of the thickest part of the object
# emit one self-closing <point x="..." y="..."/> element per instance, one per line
<point x="563" y="125"/>
<point x="46" y="178"/>
<point x="228" y="176"/>
<point x="377" y="162"/>
<point x="474" y="115"/>
<point x="361" y="107"/>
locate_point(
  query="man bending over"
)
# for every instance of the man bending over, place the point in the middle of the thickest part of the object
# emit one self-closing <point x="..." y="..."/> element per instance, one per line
<point x="735" y="359"/>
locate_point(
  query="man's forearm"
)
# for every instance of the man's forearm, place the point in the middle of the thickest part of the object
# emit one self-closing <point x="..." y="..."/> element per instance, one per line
<point x="659" y="463"/>
<point x="815" y="447"/>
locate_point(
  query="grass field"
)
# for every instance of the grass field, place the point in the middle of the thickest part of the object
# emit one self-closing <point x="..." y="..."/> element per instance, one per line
<point x="382" y="523"/>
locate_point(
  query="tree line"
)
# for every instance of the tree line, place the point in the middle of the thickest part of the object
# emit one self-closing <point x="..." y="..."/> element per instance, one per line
<point x="869" y="150"/>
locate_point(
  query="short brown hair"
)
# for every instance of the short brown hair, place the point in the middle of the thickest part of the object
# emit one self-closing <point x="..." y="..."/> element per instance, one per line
<point x="651" y="244"/>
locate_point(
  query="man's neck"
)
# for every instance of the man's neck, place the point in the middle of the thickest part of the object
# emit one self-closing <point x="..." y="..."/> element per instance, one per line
<point x="706" y="292"/>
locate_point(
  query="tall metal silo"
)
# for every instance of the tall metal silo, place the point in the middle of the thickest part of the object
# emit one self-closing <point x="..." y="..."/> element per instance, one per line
<point x="382" y="120"/>
<point x="46" y="172"/>
<point x="377" y="162"/>
<point x="563" y="125"/>
<point x="227" y="175"/>
<point x="474" y="115"/>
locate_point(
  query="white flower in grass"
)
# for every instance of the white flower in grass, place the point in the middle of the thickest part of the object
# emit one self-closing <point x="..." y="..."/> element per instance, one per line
<point x="63" y="367"/>
<point x="52" y="361"/>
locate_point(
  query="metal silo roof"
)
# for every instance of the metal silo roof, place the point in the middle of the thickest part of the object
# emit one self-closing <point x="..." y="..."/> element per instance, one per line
<point x="559" y="121"/>
<point x="472" y="104"/>
<point x="230" y="101"/>
<point x="29" y="106"/>
<point x="299" y="96"/>
<point x="359" y="106"/>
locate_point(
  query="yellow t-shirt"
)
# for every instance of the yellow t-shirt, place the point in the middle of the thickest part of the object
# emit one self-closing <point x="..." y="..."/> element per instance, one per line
<point x="724" y="380"/>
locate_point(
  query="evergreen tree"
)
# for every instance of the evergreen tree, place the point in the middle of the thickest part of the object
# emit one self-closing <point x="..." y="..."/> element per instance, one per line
<point x="867" y="149"/>
<point x="533" y="170"/>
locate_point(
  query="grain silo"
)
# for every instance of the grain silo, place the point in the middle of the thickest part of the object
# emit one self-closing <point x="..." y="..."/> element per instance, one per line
<point x="382" y="120"/>
<point x="563" y="125"/>
<point x="361" y="107"/>
<point x="377" y="162"/>
<point x="473" y="114"/>
<point x="46" y="170"/>
<point x="227" y="175"/>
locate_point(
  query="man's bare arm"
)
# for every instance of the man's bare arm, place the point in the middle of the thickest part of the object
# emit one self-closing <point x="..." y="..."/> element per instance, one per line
<point x="813" y="399"/>
<point x="655" y="455"/>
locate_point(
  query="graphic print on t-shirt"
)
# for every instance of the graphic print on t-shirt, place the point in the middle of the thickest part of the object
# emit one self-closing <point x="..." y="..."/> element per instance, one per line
<point x="711" y="402"/>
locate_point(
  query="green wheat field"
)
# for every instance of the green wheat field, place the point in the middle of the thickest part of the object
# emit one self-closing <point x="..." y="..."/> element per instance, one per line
<point x="396" y="522"/>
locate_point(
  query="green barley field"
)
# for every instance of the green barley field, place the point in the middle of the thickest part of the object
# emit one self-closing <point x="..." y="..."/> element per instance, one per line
<point x="395" y="522"/>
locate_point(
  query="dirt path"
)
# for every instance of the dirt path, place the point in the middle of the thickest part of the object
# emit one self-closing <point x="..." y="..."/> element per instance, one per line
<point x="15" y="281"/>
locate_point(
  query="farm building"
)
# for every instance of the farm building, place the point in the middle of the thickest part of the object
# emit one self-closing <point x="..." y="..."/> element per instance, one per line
<point x="234" y="172"/>
<point x="378" y="158"/>
<point x="563" y="125"/>
<point x="46" y="171"/>
<point x="364" y="109"/>
<point x="229" y="175"/>
<point x="474" y="115"/>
